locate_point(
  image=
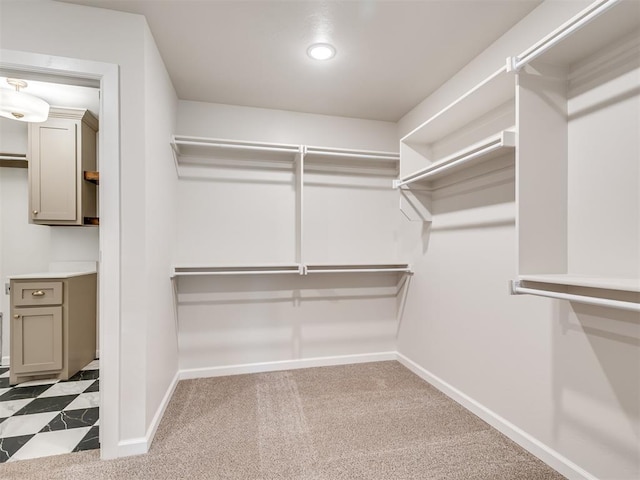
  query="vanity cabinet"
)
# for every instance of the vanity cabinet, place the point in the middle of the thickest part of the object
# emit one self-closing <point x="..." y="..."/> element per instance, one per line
<point x="53" y="325"/>
<point x="60" y="150"/>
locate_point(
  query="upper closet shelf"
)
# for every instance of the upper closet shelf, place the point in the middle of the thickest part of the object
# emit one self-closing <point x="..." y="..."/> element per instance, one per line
<point x="486" y="149"/>
<point x="299" y="269"/>
<point x="581" y="35"/>
<point x="591" y="281"/>
<point x="497" y="89"/>
<point x="216" y="151"/>
<point x="201" y="151"/>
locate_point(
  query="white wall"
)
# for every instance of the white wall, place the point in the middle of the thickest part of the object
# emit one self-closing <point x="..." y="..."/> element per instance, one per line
<point x="566" y="374"/>
<point x="160" y="202"/>
<point x="239" y="216"/>
<point x="112" y="37"/>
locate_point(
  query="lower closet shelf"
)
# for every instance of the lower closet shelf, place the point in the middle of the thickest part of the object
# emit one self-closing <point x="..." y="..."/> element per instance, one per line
<point x="622" y="294"/>
<point x="300" y="269"/>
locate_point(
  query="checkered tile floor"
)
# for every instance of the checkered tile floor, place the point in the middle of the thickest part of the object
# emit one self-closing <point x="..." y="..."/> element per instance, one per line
<point x="49" y="417"/>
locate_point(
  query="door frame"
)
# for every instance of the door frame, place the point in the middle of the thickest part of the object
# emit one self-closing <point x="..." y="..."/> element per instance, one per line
<point x="108" y="77"/>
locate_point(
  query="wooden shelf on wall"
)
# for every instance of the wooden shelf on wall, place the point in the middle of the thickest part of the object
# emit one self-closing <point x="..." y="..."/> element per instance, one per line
<point x="93" y="177"/>
<point x="13" y="160"/>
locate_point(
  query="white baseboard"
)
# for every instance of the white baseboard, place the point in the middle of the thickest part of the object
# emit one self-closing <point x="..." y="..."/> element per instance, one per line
<point x="132" y="446"/>
<point x="140" y="445"/>
<point x="534" y="446"/>
<point x="285" y="365"/>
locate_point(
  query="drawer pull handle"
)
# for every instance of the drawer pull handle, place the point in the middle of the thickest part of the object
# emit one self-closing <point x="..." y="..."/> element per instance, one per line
<point x="38" y="293"/>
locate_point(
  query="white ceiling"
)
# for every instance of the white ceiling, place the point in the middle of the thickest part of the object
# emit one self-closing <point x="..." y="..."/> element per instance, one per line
<point x="390" y="54"/>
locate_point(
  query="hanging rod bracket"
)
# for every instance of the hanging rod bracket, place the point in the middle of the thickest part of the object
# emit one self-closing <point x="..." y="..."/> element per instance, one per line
<point x="512" y="64"/>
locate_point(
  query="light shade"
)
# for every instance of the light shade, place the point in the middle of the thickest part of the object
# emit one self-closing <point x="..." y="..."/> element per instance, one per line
<point x="21" y="106"/>
<point x="321" y="51"/>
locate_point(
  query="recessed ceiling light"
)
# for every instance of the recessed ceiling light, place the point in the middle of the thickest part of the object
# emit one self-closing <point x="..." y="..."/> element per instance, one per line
<point x="321" y="51"/>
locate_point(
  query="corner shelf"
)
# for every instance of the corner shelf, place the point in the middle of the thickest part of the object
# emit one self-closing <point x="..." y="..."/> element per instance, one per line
<point x="484" y="150"/>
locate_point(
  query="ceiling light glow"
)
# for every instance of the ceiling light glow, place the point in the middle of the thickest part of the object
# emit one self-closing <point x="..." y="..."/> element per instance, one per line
<point x="17" y="105"/>
<point x="321" y="51"/>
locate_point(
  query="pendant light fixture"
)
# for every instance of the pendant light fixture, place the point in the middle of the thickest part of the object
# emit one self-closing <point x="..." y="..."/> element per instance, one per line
<point x="21" y="106"/>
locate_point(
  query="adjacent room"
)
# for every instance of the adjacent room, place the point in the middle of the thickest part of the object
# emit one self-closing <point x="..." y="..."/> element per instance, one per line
<point x="377" y="239"/>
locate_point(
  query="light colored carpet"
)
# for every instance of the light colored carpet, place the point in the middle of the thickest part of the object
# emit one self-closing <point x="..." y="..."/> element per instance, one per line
<point x="366" y="421"/>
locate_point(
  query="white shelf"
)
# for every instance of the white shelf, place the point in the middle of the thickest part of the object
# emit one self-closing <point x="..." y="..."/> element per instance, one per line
<point x="497" y="89"/>
<point x="185" y="146"/>
<point x="312" y="153"/>
<point x="364" y="268"/>
<point x="321" y="159"/>
<point x="216" y="151"/>
<point x="484" y="150"/>
<point x="591" y="281"/>
<point x="599" y="24"/>
<point x="203" y="270"/>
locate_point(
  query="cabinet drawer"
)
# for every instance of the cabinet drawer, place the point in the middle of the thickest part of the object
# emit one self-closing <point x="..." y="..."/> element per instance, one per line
<point x="36" y="293"/>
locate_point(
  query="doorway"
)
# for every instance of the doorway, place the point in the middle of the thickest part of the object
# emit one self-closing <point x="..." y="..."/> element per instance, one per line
<point x="105" y="77"/>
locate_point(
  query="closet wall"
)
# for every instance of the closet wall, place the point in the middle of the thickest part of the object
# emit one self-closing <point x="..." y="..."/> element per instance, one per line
<point x="563" y="377"/>
<point x="246" y="212"/>
<point x="138" y="373"/>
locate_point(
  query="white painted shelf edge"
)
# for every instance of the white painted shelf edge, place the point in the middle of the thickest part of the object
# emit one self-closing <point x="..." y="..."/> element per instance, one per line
<point x="178" y="141"/>
<point x="504" y="140"/>
<point x="518" y="289"/>
<point x="591" y="281"/>
<point x="201" y="270"/>
<point x="565" y="30"/>
<point x="311" y="151"/>
<point x="219" y="143"/>
<point x="410" y="137"/>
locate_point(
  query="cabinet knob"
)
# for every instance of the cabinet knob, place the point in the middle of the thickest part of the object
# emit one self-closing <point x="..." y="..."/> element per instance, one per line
<point x="35" y="212"/>
<point x="37" y="293"/>
<point x="16" y="316"/>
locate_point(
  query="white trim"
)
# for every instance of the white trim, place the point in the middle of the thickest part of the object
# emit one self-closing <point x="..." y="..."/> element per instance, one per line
<point x="534" y="446"/>
<point x="140" y="445"/>
<point x="109" y="148"/>
<point x="190" y="373"/>
<point x="133" y="446"/>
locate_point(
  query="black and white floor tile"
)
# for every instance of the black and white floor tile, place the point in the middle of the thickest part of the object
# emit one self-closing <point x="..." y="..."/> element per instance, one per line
<point x="49" y="417"/>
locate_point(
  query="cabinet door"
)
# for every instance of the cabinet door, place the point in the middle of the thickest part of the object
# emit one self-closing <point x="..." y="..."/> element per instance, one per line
<point x="36" y="339"/>
<point x="53" y="170"/>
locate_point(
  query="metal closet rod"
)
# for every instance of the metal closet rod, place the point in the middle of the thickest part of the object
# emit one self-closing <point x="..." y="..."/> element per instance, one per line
<point x="555" y="37"/>
<point x="516" y="289"/>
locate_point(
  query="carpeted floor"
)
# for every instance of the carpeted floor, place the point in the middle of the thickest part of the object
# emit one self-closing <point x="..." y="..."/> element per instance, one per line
<point x="366" y="421"/>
